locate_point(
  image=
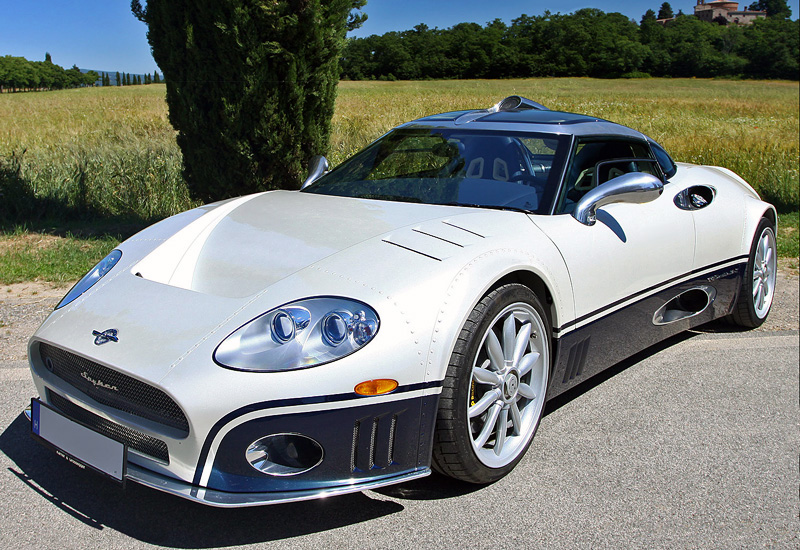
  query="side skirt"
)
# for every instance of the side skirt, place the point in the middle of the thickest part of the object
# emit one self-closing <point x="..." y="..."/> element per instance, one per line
<point x="607" y="340"/>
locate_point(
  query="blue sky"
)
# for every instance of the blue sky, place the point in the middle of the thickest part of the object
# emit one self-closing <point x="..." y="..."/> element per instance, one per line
<point x="103" y="35"/>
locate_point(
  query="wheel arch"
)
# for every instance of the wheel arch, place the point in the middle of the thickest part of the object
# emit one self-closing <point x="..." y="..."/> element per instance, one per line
<point x="534" y="282"/>
<point x="755" y="209"/>
<point x="545" y="275"/>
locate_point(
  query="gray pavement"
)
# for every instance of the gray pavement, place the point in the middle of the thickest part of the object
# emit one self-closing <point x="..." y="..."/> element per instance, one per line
<point x="691" y="444"/>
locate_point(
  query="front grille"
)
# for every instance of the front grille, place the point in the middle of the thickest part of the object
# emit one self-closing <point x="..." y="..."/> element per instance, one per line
<point x="138" y="441"/>
<point x="114" y="389"/>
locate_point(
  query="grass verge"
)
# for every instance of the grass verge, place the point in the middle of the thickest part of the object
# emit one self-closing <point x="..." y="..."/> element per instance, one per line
<point x="37" y="256"/>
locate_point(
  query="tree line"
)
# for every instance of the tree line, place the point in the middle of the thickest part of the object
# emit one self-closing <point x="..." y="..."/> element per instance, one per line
<point x="588" y="42"/>
<point x="127" y="79"/>
<point x="19" y="74"/>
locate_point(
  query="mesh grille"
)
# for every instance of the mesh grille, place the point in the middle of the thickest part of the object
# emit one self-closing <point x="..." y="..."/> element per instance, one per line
<point x="131" y="396"/>
<point x="138" y="441"/>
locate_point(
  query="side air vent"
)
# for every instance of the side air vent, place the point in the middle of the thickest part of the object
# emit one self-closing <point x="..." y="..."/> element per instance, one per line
<point x="576" y="360"/>
<point x="686" y="304"/>
<point x="373" y="442"/>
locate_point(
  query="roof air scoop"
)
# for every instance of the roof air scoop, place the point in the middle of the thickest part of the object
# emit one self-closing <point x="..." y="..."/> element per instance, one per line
<point x="515" y="102"/>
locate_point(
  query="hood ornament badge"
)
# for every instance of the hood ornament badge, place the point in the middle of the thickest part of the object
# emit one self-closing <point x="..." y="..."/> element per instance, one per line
<point x="101" y="338"/>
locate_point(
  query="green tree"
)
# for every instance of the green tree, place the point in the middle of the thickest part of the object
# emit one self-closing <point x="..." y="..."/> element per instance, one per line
<point x="156" y="77"/>
<point x="778" y="9"/>
<point x="118" y="79"/>
<point x="90" y="78"/>
<point x="250" y="85"/>
<point x="665" y="11"/>
<point x="47" y="58"/>
<point x="771" y="47"/>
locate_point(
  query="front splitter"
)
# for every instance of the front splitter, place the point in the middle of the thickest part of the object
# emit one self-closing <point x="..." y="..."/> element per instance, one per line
<point x="224" y="499"/>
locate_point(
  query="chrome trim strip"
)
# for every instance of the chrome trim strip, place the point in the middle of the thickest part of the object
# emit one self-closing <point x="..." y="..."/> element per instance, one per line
<point x="222" y="499"/>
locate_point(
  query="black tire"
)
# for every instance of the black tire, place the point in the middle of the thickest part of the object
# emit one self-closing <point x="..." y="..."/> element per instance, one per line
<point x="462" y="449"/>
<point x="759" y="279"/>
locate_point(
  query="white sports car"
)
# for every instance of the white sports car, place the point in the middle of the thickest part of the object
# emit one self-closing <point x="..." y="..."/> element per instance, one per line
<point x="413" y="308"/>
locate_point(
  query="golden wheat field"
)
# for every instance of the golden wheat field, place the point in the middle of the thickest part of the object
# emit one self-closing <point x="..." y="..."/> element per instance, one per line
<point x="111" y="151"/>
<point x="118" y="141"/>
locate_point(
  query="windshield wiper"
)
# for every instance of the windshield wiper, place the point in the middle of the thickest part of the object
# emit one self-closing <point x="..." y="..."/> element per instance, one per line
<point x="488" y="206"/>
<point x="398" y="198"/>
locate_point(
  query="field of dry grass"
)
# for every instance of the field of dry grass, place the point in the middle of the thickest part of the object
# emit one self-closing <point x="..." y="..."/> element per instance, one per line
<point x="110" y="153"/>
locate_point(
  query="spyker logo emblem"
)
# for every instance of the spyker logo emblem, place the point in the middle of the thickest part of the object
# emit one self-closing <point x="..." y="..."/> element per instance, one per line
<point x="101" y="338"/>
<point x="98" y="383"/>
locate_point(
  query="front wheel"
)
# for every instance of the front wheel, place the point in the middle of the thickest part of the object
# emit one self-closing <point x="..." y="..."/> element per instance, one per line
<point x="494" y="391"/>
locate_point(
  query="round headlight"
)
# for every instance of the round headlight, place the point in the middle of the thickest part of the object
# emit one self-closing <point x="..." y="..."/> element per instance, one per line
<point x="282" y="327"/>
<point x="336" y="327"/>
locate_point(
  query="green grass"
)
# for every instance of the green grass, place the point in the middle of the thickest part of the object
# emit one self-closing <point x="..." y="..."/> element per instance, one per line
<point x="27" y="256"/>
<point x="70" y="158"/>
<point x="788" y="230"/>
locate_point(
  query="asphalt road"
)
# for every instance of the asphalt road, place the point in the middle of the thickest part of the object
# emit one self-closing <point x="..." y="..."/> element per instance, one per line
<point x="691" y="444"/>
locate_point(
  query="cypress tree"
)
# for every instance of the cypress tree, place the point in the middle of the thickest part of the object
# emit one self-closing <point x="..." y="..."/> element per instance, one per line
<point x="118" y="80"/>
<point x="156" y="78"/>
<point x="251" y="86"/>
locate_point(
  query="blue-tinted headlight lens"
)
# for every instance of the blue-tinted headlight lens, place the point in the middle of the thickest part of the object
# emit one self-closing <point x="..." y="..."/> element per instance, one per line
<point x="282" y="327"/>
<point x="334" y="328"/>
<point x="95" y="274"/>
<point x="300" y="334"/>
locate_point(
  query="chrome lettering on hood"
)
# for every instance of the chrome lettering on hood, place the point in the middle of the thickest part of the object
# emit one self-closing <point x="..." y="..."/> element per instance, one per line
<point x="98" y="383"/>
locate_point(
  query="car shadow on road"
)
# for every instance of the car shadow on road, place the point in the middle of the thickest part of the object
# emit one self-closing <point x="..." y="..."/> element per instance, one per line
<point x="165" y="520"/>
<point x="570" y="395"/>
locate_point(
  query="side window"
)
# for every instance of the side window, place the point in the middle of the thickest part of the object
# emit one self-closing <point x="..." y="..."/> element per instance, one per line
<point x="598" y="161"/>
<point x="664" y="160"/>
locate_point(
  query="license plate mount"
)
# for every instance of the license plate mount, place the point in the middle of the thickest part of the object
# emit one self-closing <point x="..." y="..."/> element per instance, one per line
<point x="78" y="443"/>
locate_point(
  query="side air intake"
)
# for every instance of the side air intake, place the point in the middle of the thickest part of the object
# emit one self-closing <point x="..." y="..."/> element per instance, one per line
<point x="686" y="304"/>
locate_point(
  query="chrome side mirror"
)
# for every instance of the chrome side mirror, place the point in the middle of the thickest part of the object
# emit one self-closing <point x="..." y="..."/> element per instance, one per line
<point x="634" y="187"/>
<point x="317" y="168"/>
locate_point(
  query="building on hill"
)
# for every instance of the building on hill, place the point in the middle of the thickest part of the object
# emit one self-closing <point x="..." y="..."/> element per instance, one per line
<point x="718" y="10"/>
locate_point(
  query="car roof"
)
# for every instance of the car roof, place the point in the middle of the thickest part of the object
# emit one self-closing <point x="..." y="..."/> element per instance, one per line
<point x="527" y="120"/>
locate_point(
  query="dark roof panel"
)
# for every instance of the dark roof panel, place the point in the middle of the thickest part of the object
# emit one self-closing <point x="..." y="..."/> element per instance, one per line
<point x="532" y="116"/>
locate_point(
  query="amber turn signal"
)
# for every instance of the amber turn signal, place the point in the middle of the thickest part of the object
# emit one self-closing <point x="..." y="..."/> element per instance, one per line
<point x="376" y="387"/>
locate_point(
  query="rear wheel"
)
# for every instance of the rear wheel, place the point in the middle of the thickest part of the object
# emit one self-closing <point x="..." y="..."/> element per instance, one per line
<point x="758" y="286"/>
<point x="494" y="391"/>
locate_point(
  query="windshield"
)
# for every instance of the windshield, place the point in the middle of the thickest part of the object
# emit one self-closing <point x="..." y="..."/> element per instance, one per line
<point x="505" y="170"/>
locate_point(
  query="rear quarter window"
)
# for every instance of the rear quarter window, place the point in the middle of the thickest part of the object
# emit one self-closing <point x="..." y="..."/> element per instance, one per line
<point x="664" y="160"/>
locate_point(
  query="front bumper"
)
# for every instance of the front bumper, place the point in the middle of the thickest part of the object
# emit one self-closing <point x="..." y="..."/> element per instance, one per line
<point x="366" y="447"/>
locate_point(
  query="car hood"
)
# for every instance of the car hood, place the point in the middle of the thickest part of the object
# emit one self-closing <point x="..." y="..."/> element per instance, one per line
<point x="186" y="283"/>
<point x="246" y="245"/>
